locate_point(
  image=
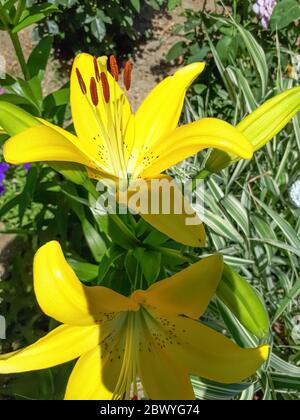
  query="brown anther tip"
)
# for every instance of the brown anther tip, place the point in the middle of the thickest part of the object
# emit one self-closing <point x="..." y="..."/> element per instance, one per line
<point x="105" y="87"/>
<point x="114" y="68"/>
<point x="94" y="92"/>
<point x="134" y="398"/>
<point x="96" y="67"/>
<point x="127" y="74"/>
<point x="81" y="81"/>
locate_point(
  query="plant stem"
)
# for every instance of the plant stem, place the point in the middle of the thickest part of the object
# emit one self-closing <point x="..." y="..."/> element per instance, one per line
<point x="234" y="9"/>
<point x="15" y="38"/>
<point x="19" y="53"/>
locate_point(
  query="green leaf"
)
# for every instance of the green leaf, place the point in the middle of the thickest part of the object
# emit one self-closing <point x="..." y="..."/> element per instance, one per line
<point x="257" y="54"/>
<point x="237" y="212"/>
<point x="150" y="262"/>
<point x="176" y="51"/>
<point x="136" y="4"/>
<point x="94" y="240"/>
<point x="39" y="57"/>
<point x="285" y="12"/>
<point x="27" y="194"/>
<point x="86" y="272"/>
<point x="172" y="4"/>
<point x="56" y="99"/>
<point x="289" y="298"/>
<point x="278" y="244"/>
<point x="208" y="390"/>
<point x="98" y="28"/>
<point x="283" y="225"/>
<point x="35" y="14"/>
<point x="221" y="226"/>
<point x="112" y="255"/>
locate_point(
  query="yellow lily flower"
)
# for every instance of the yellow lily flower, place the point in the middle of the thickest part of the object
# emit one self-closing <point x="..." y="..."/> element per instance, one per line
<point x="114" y="143"/>
<point x="153" y="336"/>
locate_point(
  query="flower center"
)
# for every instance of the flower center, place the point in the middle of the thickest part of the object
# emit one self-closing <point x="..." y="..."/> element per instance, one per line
<point x="108" y="103"/>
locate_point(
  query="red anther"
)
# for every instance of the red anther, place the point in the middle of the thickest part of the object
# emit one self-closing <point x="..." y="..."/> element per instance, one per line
<point x="105" y="87"/>
<point x="81" y="81"/>
<point x="127" y="74"/>
<point x="114" y="67"/>
<point x="96" y="67"/>
<point x="134" y="398"/>
<point x="94" y="92"/>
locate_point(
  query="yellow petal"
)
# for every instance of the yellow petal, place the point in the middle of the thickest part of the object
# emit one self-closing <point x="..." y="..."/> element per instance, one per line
<point x="159" y="113"/>
<point x="42" y="143"/>
<point x="84" y="117"/>
<point x="189" y="139"/>
<point x="161" y="203"/>
<point x="187" y="292"/>
<point x="99" y="370"/>
<point x="163" y="378"/>
<point x="93" y="377"/>
<point x="210" y="355"/>
<point x="61" y="345"/>
<point x="63" y="297"/>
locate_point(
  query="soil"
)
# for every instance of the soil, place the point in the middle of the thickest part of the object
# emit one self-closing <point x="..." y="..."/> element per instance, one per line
<point x="149" y="68"/>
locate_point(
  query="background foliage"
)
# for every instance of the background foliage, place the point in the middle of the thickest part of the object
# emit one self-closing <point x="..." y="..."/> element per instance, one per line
<point x="249" y="217"/>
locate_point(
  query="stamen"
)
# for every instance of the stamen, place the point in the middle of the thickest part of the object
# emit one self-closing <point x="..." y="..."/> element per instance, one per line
<point x="96" y="67"/>
<point x="105" y="87"/>
<point x="94" y="92"/>
<point x="114" y="67"/>
<point x="127" y="74"/>
<point x="81" y="82"/>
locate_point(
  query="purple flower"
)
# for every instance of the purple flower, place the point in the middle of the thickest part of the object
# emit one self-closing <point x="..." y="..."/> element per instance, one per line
<point x="4" y="167"/>
<point x="27" y="166"/>
<point x="264" y="9"/>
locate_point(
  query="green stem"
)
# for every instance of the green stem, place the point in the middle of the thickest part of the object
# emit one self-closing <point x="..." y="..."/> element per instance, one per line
<point x="234" y="9"/>
<point x="14" y="37"/>
<point x="19" y="53"/>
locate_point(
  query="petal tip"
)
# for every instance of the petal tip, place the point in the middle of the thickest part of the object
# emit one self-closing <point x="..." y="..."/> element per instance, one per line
<point x="48" y="249"/>
<point x="9" y="153"/>
<point x="264" y="352"/>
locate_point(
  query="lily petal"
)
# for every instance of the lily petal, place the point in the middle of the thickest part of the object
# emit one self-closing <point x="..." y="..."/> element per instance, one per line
<point x="61" y="345"/>
<point x="42" y="143"/>
<point x="174" y="218"/>
<point x="85" y="382"/>
<point x="210" y="355"/>
<point x="161" y="376"/>
<point x="99" y="370"/>
<point x="158" y="115"/>
<point x="63" y="297"/>
<point x="187" y="292"/>
<point x="189" y="139"/>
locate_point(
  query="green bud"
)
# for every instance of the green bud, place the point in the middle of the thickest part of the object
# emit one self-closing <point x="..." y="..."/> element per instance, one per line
<point x="261" y="126"/>
<point x="217" y="161"/>
<point x="243" y="301"/>
<point x="14" y="119"/>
